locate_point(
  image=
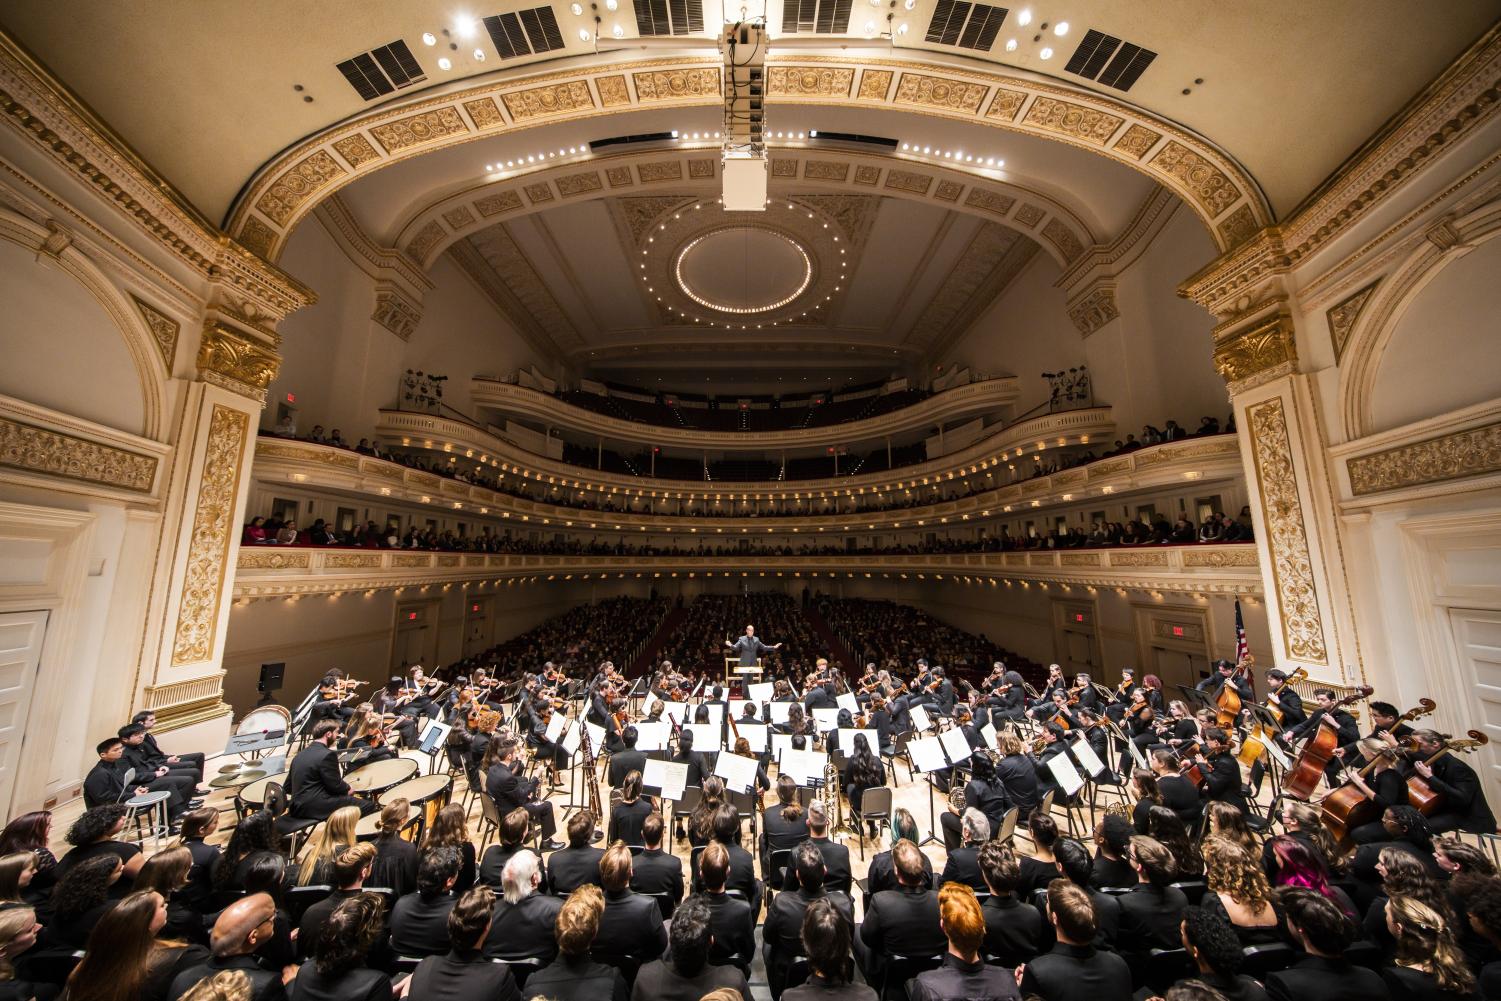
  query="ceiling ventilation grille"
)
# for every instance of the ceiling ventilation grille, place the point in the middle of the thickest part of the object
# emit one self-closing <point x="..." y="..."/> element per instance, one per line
<point x="967" y="25"/>
<point x="382" y="71"/>
<point x="669" y="17"/>
<point x="823" y="17"/>
<point x="1107" y="60"/>
<point x="525" y="32"/>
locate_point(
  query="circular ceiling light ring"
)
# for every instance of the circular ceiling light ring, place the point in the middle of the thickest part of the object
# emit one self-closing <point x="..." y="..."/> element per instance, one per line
<point x="803" y="282"/>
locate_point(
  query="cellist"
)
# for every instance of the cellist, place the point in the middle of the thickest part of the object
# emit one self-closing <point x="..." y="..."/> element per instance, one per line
<point x="1226" y="673"/>
<point x="1348" y="729"/>
<point x="1463" y="807"/>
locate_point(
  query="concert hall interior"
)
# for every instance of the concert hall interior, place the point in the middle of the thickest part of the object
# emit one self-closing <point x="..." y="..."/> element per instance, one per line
<point x="1049" y="453"/>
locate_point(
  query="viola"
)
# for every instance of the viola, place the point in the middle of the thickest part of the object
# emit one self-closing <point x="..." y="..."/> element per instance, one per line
<point x="1303" y="777"/>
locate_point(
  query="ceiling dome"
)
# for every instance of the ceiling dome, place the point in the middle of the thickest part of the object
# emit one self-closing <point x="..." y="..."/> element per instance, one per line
<point x="743" y="269"/>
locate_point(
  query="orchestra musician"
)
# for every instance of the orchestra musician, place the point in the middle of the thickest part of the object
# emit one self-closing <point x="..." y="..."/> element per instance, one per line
<point x="1056" y="681"/>
<point x="1055" y="709"/>
<point x="315" y="786"/>
<point x="1007" y="699"/>
<point x="749" y="647"/>
<point x="395" y="700"/>
<point x="1284" y="698"/>
<point x="332" y="691"/>
<point x="1348" y="729"/>
<point x="1226" y="673"/>
<point x="510" y="791"/>
<point x="1222" y="772"/>
<point x="1463" y="807"/>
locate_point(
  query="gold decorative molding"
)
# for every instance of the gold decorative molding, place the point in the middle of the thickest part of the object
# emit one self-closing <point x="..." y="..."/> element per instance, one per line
<point x="164" y="329"/>
<point x="1006" y="103"/>
<point x="298" y="185"/>
<point x="1243" y="557"/>
<point x="230" y="359"/>
<point x="1342" y="316"/>
<point x="612" y="91"/>
<point x="348" y="561"/>
<point x="1073" y="120"/>
<point x="1094" y="309"/>
<point x="502" y="201"/>
<point x="1208" y="185"/>
<point x="664" y="170"/>
<point x="990" y="201"/>
<point x="1286" y="536"/>
<point x="1474" y="452"/>
<point x="35" y="449"/>
<point x="1146" y="558"/>
<point x="1137" y="141"/>
<point x="907" y="180"/>
<point x="484" y="113"/>
<point x="214" y="521"/>
<point x="925" y="91"/>
<point x="875" y="84"/>
<point x="264" y="559"/>
<point x="1080" y="559"/>
<point x="687" y="84"/>
<point x="578" y="184"/>
<point x="783" y="166"/>
<point x="458" y="217"/>
<point x="395" y="311"/>
<point x="812" y="81"/>
<point x="1029" y="215"/>
<point x="356" y="150"/>
<point x="1268" y="346"/>
<point x="1062" y="237"/>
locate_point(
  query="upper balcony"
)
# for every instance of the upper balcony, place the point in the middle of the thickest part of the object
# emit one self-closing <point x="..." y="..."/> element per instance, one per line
<point x="648" y="424"/>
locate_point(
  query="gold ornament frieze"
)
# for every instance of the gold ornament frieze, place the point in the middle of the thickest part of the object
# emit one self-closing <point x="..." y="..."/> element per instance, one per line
<point x="1079" y="559"/>
<point x="419" y="129"/>
<point x="1259" y="348"/>
<point x="941" y="93"/>
<point x="385" y="470"/>
<point x="660" y="170"/>
<point x="447" y="560"/>
<point x="1238" y="227"/>
<point x="1144" y="559"/>
<point x="613" y="91"/>
<point x="810" y="81"/>
<point x="1029" y="215"/>
<point x="906" y="180"/>
<point x="826" y="170"/>
<point x="1094" y="310"/>
<point x="262" y="559"/>
<point x="1286" y="536"/>
<point x="350" y="561"/>
<point x="1243" y="556"/>
<point x="257" y="237"/>
<point x="1475" y="452"/>
<point x="240" y="362"/>
<point x="214" y="519"/>
<point x="164" y="329"/>
<point x="1107" y="467"/>
<point x="1205" y="182"/>
<point x="579" y="184"/>
<point x="495" y="204"/>
<point x="539" y="192"/>
<point x="297" y="185"/>
<point x="545" y="102"/>
<point x="677" y="85"/>
<point x="425" y="239"/>
<point x="356" y="150"/>
<point x="1063" y="238"/>
<point x="1342" y="317"/>
<point x="619" y="177"/>
<point x="1006" y="104"/>
<point x="34" y="449"/>
<point x="459" y="217"/>
<point x="411" y="560"/>
<point x="867" y="175"/>
<point x="484" y="113"/>
<point x="1137" y="141"/>
<point x="783" y="167"/>
<point x="701" y="169"/>
<point x="990" y="201"/>
<point x="1073" y="120"/>
<point x="948" y="191"/>
<point x="875" y="85"/>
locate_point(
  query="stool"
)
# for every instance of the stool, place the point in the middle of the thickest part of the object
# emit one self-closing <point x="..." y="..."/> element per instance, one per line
<point x="153" y="805"/>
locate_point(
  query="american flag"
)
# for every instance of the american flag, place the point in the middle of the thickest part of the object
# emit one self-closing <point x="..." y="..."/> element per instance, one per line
<point x="1242" y="648"/>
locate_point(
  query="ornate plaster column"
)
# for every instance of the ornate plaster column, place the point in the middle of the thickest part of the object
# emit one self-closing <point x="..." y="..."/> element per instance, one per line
<point x="218" y="412"/>
<point x="1283" y="448"/>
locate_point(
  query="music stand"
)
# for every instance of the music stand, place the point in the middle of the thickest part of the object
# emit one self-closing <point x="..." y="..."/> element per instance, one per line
<point x="1197" y="700"/>
<point x="932" y="789"/>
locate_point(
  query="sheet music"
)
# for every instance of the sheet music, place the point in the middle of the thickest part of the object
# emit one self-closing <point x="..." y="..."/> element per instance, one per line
<point x="648" y="702"/>
<point x="737" y="709"/>
<point x="848" y="701"/>
<point x="1090" y="760"/>
<point x="780" y="744"/>
<point x="652" y="736"/>
<point x="706" y="736"/>
<point x="739" y="773"/>
<point x="927" y="754"/>
<point x="761" y="691"/>
<point x="555" y="727"/>
<point x="1067" y="776"/>
<point x="779" y="711"/>
<point x="716" y="714"/>
<point x="596" y="737"/>
<point x="956" y="744"/>
<point x="674" y="776"/>
<point x="920" y="720"/>
<point x="992" y="739"/>
<point x="847" y="740"/>
<point x="571" y="739"/>
<point x="804" y="766"/>
<point x="827" y="719"/>
<point x="1137" y="756"/>
<point x="755" y="735"/>
<point x="1278" y="755"/>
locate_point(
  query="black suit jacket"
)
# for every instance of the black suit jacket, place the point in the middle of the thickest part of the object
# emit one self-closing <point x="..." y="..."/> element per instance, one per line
<point x="1326" y="980"/>
<point x="1013" y="931"/>
<point x="622" y="763"/>
<point x="105" y="783"/>
<point x="781" y="934"/>
<point x="524" y="929"/>
<point x="1223" y="782"/>
<point x="314" y="780"/>
<point x="626" y="821"/>
<point x="882" y="872"/>
<point x="264" y="985"/>
<point x="576" y="979"/>
<point x="1181" y="796"/>
<point x="1018" y="778"/>
<point x="963" y="866"/>
<point x="778" y="833"/>
<point x="655" y="871"/>
<point x="661" y="981"/>
<point x="494" y="863"/>
<point x="570" y="868"/>
<point x="315" y="917"/>
<point x="1078" y="973"/>
<point x="352" y="985"/>
<point x="904" y="922"/>
<point x="1150" y="918"/>
<point x="419" y="924"/>
<point x="1463" y="794"/>
<point x="836" y="860"/>
<point x="463" y="976"/>
<point x="507" y="789"/>
<point x="631" y="925"/>
<point x="733" y="927"/>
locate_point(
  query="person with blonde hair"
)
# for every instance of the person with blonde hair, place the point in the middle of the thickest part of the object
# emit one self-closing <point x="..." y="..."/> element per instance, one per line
<point x="1238" y="891"/>
<point x="18" y="932"/>
<point x="1428" y="961"/>
<point x="336" y="834"/>
<point x="964" y="973"/>
<point x="1228" y="822"/>
<point x="573" y="976"/>
<point x="16" y="872"/>
<point x="227" y="985"/>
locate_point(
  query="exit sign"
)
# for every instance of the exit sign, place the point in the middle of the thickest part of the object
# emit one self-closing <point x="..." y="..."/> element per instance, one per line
<point x="291" y="397"/>
<point x="1177" y="630"/>
<point x="1078" y="617"/>
<point x="474" y="608"/>
<point x="411" y="616"/>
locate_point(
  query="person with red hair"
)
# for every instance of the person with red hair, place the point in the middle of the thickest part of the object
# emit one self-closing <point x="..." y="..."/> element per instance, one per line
<point x="964" y="973"/>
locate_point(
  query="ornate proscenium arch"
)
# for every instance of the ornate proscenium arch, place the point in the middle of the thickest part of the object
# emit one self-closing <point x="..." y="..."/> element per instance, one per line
<point x="1218" y="189"/>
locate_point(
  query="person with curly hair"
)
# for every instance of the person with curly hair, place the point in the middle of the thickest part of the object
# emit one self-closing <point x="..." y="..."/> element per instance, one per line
<point x="1228" y="823"/>
<point x="128" y="956"/>
<point x="1403" y="874"/>
<point x="252" y="836"/>
<point x="94" y="834"/>
<point x="1217" y="954"/>
<point x="1164" y="825"/>
<point x="1454" y="857"/>
<point x="1239" y="893"/>
<point x="337" y="971"/>
<point x="1428" y="963"/>
<point x="227" y="985"/>
<point x="18" y="933"/>
<point x="81" y="898"/>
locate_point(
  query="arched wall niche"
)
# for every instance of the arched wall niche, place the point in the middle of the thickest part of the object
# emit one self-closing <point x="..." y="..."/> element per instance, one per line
<point x="102" y="363"/>
<point x="1429" y="343"/>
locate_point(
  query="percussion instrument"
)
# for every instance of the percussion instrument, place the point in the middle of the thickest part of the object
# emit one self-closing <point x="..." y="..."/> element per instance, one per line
<point x="237" y="778"/>
<point x="427" y="795"/>
<point x="368" y="827"/>
<point x="265" y="719"/>
<point x="253" y="796"/>
<point x="378" y="776"/>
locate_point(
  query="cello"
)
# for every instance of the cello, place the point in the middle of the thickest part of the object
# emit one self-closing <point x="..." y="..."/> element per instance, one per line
<point x="1424" y="798"/>
<point x="1227" y="702"/>
<point x="1303" y="777"/>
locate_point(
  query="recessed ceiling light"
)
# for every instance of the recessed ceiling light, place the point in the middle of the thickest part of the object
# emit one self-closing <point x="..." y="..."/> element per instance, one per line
<point x="1025" y="17"/>
<point x="464" y="26"/>
<point x="578" y="9"/>
<point x="584" y="35"/>
<point x="903" y="29"/>
<point x="1046" y="53"/>
<point x="479" y="55"/>
<point x="612" y="4"/>
<point x="445" y="63"/>
<point x="617" y="31"/>
<point x="428" y="38"/>
<point x="870" y="27"/>
<point x="1010" y="45"/>
<point x="1060" y="29"/>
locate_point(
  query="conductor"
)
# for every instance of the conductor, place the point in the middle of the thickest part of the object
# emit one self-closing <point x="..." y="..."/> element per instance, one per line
<point x="750" y="647"/>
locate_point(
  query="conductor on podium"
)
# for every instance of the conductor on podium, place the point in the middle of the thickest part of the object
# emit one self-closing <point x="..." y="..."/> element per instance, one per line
<point x="750" y="647"/>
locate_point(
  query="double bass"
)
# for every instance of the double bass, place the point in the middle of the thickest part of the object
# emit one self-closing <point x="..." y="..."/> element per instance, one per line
<point x="1227" y="702"/>
<point x="1303" y="777"/>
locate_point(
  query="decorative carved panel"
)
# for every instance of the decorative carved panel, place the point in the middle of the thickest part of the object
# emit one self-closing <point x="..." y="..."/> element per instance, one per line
<point x="1209" y="187"/>
<point x="164" y="329"/>
<point x="356" y="149"/>
<point x="415" y="130"/>
<point x="458" y="217"/>
<point x="495" y="204"/>
<point x="1287" y="539"/>
<point x="1238" y="227"/>
<point x="34" y="449"/>
<point x="539" y="192"/>
<point x="1448" y="457"/>
<point x="826" y="170"/>
<point x="990" y="201"/>
<point x="484" y="113"/>
<point x="208" y="545"/>
<point x="875" y="84"/>
<point x="1073" y="120"/>
<point x="866" y="174"/>
<point x="426" y="238"/>
<point x="925" y="91"/>
<point x="231" y="360"/>
<point x="1342" y="317"/>
<point x="948" y="191"/>
<point x="1029" y="215"/>
<point x="1261" y="347"/>
<point x="677" y="85"/>
<point x="1137" y="141"/>
<point x="810" y="81"/>
<point x="906" y="180"/>
<point x="297" y="185"/>
<point x="544" y="102"/>
<point x="619" y="177"/>
<point x="663" y="170"/>
<point x="579" y="184"/>
<point x="1063" y="238"/>
<point x="264" y="559"/>
<point x="612" y="91"/>
<point x="1005" y="104"/>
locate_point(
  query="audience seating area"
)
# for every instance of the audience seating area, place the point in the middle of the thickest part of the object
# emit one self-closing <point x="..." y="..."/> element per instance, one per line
<point x="756" y="414"/>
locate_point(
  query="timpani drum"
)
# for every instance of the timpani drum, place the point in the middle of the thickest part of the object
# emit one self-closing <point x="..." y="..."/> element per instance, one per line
<point x="427" y="794"/>
<point x="368" y="828"/>
<point x="378" y="776"/>
<point x="265" y="719"/>
<point x="253" y="796"/>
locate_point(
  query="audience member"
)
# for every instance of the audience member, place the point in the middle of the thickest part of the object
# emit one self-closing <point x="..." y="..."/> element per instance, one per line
<point x="688" y="975"/>
<point x="573" y="976"/>
<point x="463" y="974"/>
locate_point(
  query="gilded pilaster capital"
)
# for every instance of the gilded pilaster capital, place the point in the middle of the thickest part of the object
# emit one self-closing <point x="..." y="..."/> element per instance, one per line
<point x="1256" y="347"/>
<point x="233" y="359"/>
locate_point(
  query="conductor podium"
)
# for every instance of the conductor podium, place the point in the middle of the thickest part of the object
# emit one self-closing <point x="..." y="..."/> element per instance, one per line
<point x="734" y="669"/>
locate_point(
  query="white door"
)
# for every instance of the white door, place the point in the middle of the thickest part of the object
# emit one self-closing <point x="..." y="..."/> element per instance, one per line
<point x="21" y="635"/>
<point x="1477" y="639"/>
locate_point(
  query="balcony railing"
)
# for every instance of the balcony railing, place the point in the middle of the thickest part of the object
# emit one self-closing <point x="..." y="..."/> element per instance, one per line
<point x="951" y="404"/>
<point x="1206" y="569"/>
